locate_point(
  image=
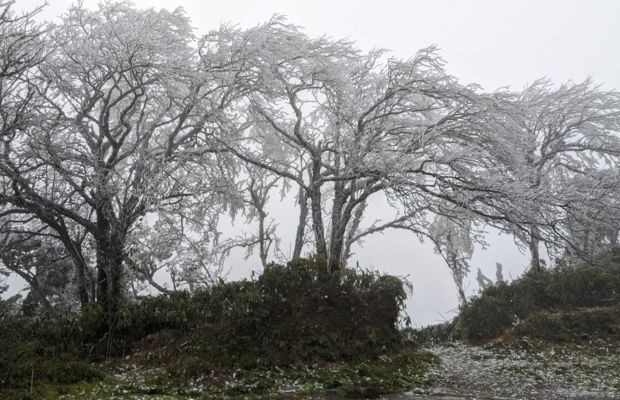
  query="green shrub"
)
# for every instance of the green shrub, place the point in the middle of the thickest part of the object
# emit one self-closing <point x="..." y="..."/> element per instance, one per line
<point x="578" y="286"/>
<point x="45" y="351"/>
<point x="299" y="314"/>
<point x="573" y="325"/>
<point x="433" y="334"/>
<point x="485" y="318"/>
<point x="8" y="307"/>
<point x="291" y="314"/>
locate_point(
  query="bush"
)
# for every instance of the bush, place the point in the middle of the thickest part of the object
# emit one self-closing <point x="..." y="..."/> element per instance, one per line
<point x="433" y="334"/>
<point x="485" y="318"/>
<point x="47" y="351"/>
<point x="8" y="307"/>
<point x="300" y="314"/>
<point x="574" y="325"/>
<point x="581" y="286"/>
<point x="294" y="313"/>
<point x="291" y="314"/>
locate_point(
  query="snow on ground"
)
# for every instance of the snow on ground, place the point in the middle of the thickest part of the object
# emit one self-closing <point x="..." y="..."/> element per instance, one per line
<point x="566" y="371"/>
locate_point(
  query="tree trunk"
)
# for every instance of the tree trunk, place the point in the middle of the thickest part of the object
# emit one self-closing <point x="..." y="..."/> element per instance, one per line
<point x="351" y="231"/>
<point x="335" y="253"/>
<point x="458" y="278"/>
<point x="317" y="225"/>
<point x="80" y="274"/>
<point x="314" y="193"/>
<point x="80" y="280"/>
<point x="301" y="225"/>
<point x="79" y="265"/>
<point x="534" y="251"/>
<point x="109" y="276"/>
<point x="339" y="228"/>
<point x="336" y="238"/>
<point x="262" y="237"/>
<point x="109" y="264"/>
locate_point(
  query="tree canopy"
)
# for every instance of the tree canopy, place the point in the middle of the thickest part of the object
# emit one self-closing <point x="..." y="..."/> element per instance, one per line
<point x="126" y="137"/>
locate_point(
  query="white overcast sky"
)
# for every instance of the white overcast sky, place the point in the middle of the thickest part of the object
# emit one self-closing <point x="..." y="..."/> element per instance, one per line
<point x="493" y="43"/>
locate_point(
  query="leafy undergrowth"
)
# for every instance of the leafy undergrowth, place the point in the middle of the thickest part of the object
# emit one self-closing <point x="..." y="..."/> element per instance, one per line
<point x="577" y="325"/>
<point x="295" y="326"/>
<point x="391" y="373"/>
<point x="564" y="303"/>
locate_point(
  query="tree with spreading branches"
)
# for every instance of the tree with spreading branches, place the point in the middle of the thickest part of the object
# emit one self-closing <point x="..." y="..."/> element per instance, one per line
<point x="110" y="125"/>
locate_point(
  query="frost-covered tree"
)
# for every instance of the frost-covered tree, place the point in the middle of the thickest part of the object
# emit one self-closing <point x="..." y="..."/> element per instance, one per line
<point x="453" y="240"/>
<point x="125" y="139"/>
<point x="256" y="187"/>
<point x="47" y="270"/>
<point x="566" y="159"/>
<point x="124" y="108"/>
<point x="537" y="162"/>
<point x="339" y="124"/>
<point x="589" y="230"/>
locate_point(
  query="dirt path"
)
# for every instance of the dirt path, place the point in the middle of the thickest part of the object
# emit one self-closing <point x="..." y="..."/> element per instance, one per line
<point x="589" y="371"/>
